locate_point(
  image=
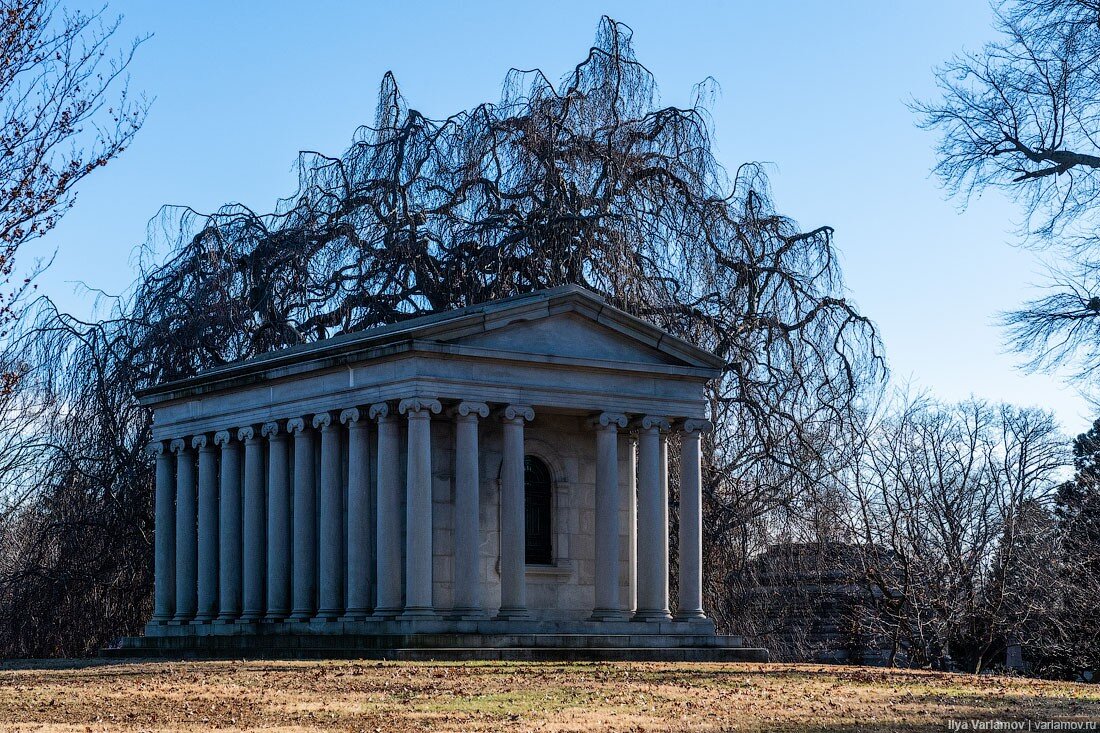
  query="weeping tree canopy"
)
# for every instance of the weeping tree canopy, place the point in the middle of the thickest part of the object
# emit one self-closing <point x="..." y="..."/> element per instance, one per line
<point x="586" y="181"/>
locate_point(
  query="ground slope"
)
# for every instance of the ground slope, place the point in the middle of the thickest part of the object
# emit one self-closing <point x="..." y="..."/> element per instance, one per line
<point x="338" y="695"/>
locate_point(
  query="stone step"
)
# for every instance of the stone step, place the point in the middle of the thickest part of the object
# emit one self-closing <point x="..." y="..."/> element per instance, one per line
<point x="437" y="625"/>
<point x="460" y="654"/>
<point x="454" y="646"/>
<point x="397" y="641"/>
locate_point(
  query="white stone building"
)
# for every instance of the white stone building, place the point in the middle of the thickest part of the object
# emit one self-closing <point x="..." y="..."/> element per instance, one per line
<point x="494" y="476"/>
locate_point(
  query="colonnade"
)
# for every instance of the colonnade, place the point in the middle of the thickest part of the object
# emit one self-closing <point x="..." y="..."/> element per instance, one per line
<point x="249" y="529"/>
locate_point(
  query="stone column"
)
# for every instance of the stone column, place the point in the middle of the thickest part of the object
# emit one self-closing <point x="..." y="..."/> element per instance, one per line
<point x="607" y="602"/>
<point x="373" y="510"/>
<point x="630" y="450"/>
<point x="164" y="559"/>
<point x="254" y="508"/>
<point x="418" y="507"/>
<point x="388" y="533"/>
<point x="229" y="543"/>
<point x="690" y="606"/>
<point x="467" y="536"/>
<point x="359" y="519"/>
<point x="513" y="519"/>
<point x="305" y="523"/>
<point x="330" y="560"/>
<point x="186" y="540"/>
<point x="278" y="523"/>
<point x="208" y="529"/>
<point x="652" y="520"/>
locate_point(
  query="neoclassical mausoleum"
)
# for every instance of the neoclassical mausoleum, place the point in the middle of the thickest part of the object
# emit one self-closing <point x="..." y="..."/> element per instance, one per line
<point x="486" y="482"/>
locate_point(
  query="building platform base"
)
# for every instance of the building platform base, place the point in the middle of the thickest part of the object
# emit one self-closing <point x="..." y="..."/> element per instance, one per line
<point x="512" y="641"/>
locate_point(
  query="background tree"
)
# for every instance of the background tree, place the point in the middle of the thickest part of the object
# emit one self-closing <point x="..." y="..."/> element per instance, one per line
<point x="587" y="181"/>
<point x="64" y="112"/>
<point x="1024" y="588"/>
<point x="931" y="543"/>
<point x="942" y="495"/>
<point x="1023" y="116"/>
<point x="1075" y="647"/>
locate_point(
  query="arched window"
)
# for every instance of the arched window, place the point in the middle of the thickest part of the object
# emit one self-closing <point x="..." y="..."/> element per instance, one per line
<point x="538" y="506"/>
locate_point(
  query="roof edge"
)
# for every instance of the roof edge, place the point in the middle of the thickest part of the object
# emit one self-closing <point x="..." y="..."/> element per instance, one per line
<point x="474" y="318"/>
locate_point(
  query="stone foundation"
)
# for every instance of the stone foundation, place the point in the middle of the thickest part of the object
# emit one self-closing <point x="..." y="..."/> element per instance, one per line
<point x="454" y="640"/>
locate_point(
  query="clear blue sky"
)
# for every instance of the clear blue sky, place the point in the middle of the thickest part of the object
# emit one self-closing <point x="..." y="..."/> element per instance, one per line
<point x="817" y="89"/>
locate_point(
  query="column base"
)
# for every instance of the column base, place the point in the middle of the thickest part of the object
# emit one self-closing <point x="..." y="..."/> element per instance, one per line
<point x="607" y="614"/>
<point x="180" y="621"/>
<point x="250" y="617"/>
<point x="160" y="621"/>
<point x="153" y="628"/>
<point x="417" y="612"/>
<point x="226" y="620"/>
<point x="651" y="616"/>
<point x="696" y="615"/>
<point x="328" y="614"/>
<point x="356" y="614"/>
<point x="302" y="617"/>
<point x="277" y="616"/>
<point x="385" y="613"/>
<point x="513" y="614"/>
<point x="467" y="614"/>
<point x="205" y="619"/>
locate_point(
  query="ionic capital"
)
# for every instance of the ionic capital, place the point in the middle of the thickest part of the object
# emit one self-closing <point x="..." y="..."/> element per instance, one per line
<point x="222" y="438"/>
<point x="414" y="405"/>
<point x="472" y="410"/>
<point x="350" y="416"/>
<point x="322" y="421"/>
<point x="652" y="422"/>
<point x="198" y="442"/>
<point x="522" y="413"/>
<point x="248" y="433"/>
<point x="379" y="411"/>
<point x="700" y="426"/>
<point x="270" y="430"/>
<point x="178" y="446"/>
<point x="295" y="425"/>
<point x="156" y="448"/>
<point x="611" y="420"/>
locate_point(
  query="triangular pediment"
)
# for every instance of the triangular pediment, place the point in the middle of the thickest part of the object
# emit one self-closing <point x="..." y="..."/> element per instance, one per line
<point x="570" y="323"/>
<point x="569" y="335"/>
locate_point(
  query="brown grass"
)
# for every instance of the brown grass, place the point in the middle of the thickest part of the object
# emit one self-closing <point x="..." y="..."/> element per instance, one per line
<point x="369" y="696"/>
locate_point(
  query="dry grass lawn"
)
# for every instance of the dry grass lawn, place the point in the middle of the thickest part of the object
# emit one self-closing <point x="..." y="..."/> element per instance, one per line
<point x="370" y="696"/>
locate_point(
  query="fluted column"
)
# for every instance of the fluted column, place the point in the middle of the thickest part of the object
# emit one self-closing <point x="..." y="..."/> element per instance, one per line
<point x="513" y="520"/>
<point x="186" y="540"/>
<point x="418" y="507"/>
<point x="208" y="529"/>
<point x="629" y="446"/>
<point x="278" y="523"/>
<point x="652" y="520"/>
<point x="372" y="498"/>
<point x="229" y="542"/>
<point x="607" y="601"/>
<point x="254" y="508"/>
<point x="359" y="519"/>
<point x="691" y="522"/>
<point x="330" y="560"/>
<point x="305" y="523"/>
<point x="388" y="533"/>
<point x="467" y="536"/>
<point x="164" y="532"/>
